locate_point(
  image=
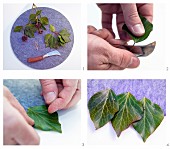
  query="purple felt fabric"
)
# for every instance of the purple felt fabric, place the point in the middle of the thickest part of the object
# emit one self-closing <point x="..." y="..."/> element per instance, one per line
<point x="153" y="89"/>
<point x="24" y="50"/>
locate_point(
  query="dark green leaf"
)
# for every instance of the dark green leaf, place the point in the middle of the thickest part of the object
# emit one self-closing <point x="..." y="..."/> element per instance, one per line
<point x="61" y="39"/>
<point x="44" y="120"/>
<point x="29" y="31"/>
<point x="65" y="35"/>
<point x="152" y="117"/>
<point x="44" y="20"/>
<point x="102" y="107"/>
<point x="130" y="110"/>
<point x="52" y="28"/>
<point x="43" y="27"/>
<point x="38" y="12"/>
<point x="32" y="17"/>
<point x="18" y="28"/>
<point x="148" y="28"/>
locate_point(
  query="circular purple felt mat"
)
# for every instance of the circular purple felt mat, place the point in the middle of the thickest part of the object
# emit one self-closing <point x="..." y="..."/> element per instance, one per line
<point x="24" y="50"/>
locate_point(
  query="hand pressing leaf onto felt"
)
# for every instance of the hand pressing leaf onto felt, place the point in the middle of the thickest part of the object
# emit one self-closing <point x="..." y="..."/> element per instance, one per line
<point x="147" y="26"/>
<point x="152" y="117"/>
<point x="102" y="107"/>
<point x="130" y="110"/>
<point x="43" y="120"/>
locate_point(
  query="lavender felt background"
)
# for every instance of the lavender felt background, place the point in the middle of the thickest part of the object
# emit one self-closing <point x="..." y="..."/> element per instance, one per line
<point x="24" y="50"/>
<point x="154" y="89"/>
<point x="27" y="91"/>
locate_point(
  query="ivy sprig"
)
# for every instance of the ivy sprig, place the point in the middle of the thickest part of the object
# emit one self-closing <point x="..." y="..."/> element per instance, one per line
<point x="56" y="39"/>
<point x="35" y="24"/>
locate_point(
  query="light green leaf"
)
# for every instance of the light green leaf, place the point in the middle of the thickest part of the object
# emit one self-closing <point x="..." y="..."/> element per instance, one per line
<point x="18" y="28"/>
<point x="52" y="28"/>
<point x="38" y="12"/>
<point x="148" y="28"/>
<point x="152" y="117"/>
<point x="43" y="120"/>
<point x="44" y="20"/>
<point x="32" y="17"/>
<point x="61" y="39"/>
<point x="130" y="110"/>
<point x="102" y="107"/>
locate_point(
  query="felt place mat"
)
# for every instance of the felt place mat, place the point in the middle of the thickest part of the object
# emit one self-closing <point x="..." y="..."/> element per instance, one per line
<point x="24" y="50"/>
<point x="153" y="89"/>
<point x="27" y="92"/>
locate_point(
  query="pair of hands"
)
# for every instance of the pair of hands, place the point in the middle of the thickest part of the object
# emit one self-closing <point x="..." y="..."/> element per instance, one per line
<point x="58" y="94"/>
<point x="101" y="54"/>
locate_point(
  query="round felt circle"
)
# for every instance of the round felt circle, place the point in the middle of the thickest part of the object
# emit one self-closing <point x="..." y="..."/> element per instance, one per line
<point x="25" y="50"/>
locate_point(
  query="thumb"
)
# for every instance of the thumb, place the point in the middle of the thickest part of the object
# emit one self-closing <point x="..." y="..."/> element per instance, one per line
<point x="132" y="19"/>
<point x="49" y="90"/>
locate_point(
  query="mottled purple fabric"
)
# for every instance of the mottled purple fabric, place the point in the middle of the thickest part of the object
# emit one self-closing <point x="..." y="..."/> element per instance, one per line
<point x="24" y="50"/>
<point x="153" y="89"/>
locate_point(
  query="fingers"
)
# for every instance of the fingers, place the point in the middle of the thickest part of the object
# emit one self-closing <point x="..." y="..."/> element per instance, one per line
<point x="64" y="96"/>
<point x="132" y="19"/>
<point x="107" y="22"/>
<point x="76" y="96"/>
<point x="16" y="129"/>
<point x="146" y="10"/>
<point x="49" y="90"/>
<point x="106" y="35"/>
<point x="122" y="58"/>
<point x="14" y="102"/>
<point x="90" y="29"/>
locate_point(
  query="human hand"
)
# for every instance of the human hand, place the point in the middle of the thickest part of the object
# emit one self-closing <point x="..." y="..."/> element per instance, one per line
<point x="103" y="56"/>
<point x="126" y="13"/>
<point x="60" y="93"/>
<point x="17" y="124"/>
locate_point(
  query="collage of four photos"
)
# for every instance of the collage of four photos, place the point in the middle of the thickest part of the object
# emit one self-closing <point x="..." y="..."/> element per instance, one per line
<point x="111" y="69"/>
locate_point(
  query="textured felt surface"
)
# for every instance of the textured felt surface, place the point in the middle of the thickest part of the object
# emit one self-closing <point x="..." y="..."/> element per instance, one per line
<point x="154" y="89"/>
<point x="26" y="91"/>
<point x="24" y="50"/>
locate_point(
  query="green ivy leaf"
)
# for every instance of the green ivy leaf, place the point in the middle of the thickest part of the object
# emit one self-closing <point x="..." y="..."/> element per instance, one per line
<point x="18" y="28"/>
<point x="52" y="28"/>
<point x="152" y="117"/>
<point x="32" y="17"/>
<point x="44" y="120"/>
<point x="102" y="107"/>
<point x="130" y="110"/>
<point x="29" y="30"/>
<point x="65" y="35"/>
<point x="50" y="41"/>
<point x="38" y="12"/>
<point x="44" y="20"/>
<point x="148" y="28"/>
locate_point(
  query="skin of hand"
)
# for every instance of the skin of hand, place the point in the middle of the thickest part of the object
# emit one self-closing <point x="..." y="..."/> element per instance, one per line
<point x="60" y="93"/>
<point x="16" y="123"/>
<point x="103" y="56"/>
<point x="126" y="13"/>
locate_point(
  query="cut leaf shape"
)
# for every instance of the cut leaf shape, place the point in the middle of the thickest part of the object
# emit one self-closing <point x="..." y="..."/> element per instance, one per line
<point x="44" y="20"/>
<point x="102" y="107"/>
<point x="130" y="110"/>
<point x="152" y="117"/>
<point x="52" y="28"/>
<point x="148" y="28"/>
<point x="38" y="12"/>
<point x="18" y="28"/>
<point x="43" y="120"/>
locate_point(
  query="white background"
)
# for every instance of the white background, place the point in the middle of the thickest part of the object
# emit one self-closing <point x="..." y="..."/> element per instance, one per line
<point x="73" y="61"/>
<point x="87" y="129"/>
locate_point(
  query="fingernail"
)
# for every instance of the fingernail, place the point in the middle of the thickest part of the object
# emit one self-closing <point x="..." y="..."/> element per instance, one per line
<point x="138" y="29"/>
<point x="134" y="62"/>
<point x="49" y="97"/>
